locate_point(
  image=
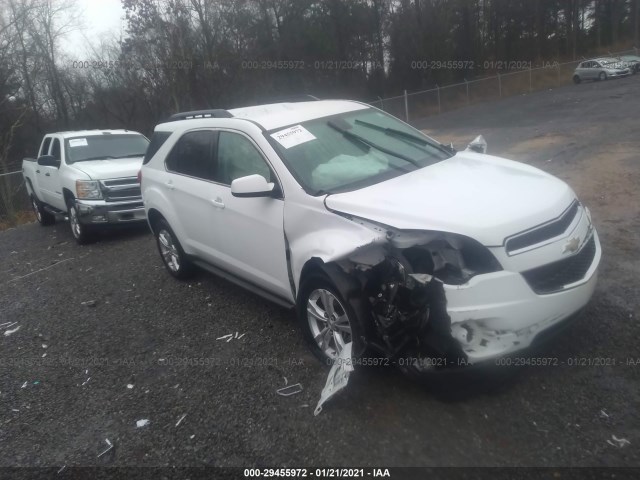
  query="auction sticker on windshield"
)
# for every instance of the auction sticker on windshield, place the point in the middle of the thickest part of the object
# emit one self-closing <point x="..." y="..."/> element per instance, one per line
<point x="293" y="136"/>
<point x="78" y="142"/>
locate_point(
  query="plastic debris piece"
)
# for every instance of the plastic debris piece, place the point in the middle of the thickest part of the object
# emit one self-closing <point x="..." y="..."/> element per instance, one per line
<point x="338" y="377"/>
<point x="192" y="437"/>
<point x="224" y="337"/>
<point x="61" y="469"/>
<point x="37" y="382"/>
<point x="604" y="414"/>
<point x="44" y="355"/>
<point x="109" y="448"/>
<point x="290" y="390"/>
<point x="620" y="442"/>
<point x="15" y="410"/>
<point x="11" y="332"/>
<point x="89" y="303"/>
<point x="44" y="345"/>
<point x="181" y="419"/>
<point x="129" y="386"/>
<point x="142" y="423"/>
<point x="86" y="381"/>
<point x="7" y="323"/>
<point x="286" y="382"/>
<point x="24" y="385"/>
<point x="240" y="336"/>
<point x="236" y="335"/>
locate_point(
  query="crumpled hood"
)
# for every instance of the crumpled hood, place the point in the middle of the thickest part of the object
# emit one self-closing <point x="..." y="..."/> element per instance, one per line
<point x="106" y="169"/>
<point x="483" y="197"/>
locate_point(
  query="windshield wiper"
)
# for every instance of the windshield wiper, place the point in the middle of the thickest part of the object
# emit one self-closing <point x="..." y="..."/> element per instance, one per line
<point x="358" y="138"/>
<point x="131" y="155"/>
<point x="394" y="132"/>
<point x="101" y="157"/>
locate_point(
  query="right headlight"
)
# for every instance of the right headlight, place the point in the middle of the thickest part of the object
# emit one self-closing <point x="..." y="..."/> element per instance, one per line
<point x="88" y="190"/>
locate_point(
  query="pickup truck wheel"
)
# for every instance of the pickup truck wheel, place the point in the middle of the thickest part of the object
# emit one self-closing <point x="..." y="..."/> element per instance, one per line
<point x="326" y="319"/>
<point x="173" y="257"/>
<point x="45" y="218"/>
<point x="82" y="233"/>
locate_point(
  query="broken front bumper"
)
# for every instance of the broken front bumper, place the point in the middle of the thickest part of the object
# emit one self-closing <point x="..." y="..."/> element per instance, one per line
<point x="99" y="212"/>
<point x="499" y="313"/>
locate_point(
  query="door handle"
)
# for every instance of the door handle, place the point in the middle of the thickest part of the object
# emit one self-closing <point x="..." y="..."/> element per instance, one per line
<point x="37" y="171"/>
<point x="218" y="203"/>
<point x="47" y="174"/>
<point x="169" y="185"/>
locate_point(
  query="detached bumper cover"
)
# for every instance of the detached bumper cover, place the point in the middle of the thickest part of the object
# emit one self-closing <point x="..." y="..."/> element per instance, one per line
<point x="100" y="212"/>
<point x="499" y="313"/>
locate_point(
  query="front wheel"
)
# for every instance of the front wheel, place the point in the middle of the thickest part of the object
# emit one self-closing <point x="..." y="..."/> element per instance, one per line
<point x="173" y="257"/>
<point x="44" y="218"/>
<point x="327" y="321"/>
<point x="576" y="79"/>
<point x="82" y="233"/>
<point x="602" y="76"/>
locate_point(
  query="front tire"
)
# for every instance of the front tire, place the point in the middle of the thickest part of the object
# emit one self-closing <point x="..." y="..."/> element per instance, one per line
<point x="82" y="233"/>
<point x="327" y="321"/>
<point x="602" y="76"/>
<point x="171" y="252"/>
<point x="576" y="79"/>
<point x="44" y="218"/>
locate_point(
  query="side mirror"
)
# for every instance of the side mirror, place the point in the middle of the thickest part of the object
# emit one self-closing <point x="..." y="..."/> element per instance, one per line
<point x="479" y="145"/>
<point x="252" y="186"/>
<point x="48" y="161"/>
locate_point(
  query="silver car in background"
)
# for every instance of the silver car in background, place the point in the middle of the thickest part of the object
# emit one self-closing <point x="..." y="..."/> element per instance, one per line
<point x="632" y="61"/>
<point x="600" y="69"/>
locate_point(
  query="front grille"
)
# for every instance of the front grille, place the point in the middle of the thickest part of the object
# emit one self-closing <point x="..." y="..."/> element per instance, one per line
<point x="554" y="276"/>
<point x="121" y="189"/>
<point x="543" y="232"/>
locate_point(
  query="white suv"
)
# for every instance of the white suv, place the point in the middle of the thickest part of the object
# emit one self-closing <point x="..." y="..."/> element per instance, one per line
<point x="376" y="233"/>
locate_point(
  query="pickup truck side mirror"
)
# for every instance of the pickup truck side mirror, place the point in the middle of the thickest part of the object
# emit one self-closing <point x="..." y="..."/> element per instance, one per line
<point x="252" y="186"/>
<point x="48" y="161"/>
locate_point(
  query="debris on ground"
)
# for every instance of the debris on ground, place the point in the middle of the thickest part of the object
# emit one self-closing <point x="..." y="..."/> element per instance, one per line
<point x="129" y="386"/>
<point x="61" y="470"/>
<point x="10" y="332"/>
<point x="89" y="303"/>
<point x="290" y="390"/>
<point x="86" y="381"/>
<point x="619" y="442"/>
<point x="604" y="414"/>
<point x="109" y="448"/>
<point x="338" y="377"/>
<point x="231" y="336"/>
<point x="24" y="385"/>
<point x="181" y="419"/>
<point x="224" y="337"/>
<point x="142" y="423"/>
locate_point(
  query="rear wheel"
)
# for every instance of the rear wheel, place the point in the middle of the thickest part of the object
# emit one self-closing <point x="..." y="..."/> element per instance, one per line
<point x="45" y="218"/>
<point x="173" y="257"/>
<point x="602" y="76"/>
<point x="576" y="79"/>
<point x="327" y="321"/>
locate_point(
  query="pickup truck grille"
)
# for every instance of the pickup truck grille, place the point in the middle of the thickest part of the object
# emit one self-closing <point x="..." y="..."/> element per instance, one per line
<point x="554" y="276"/>
<point x="543" y="232"/>
<point x="121" y="189"/>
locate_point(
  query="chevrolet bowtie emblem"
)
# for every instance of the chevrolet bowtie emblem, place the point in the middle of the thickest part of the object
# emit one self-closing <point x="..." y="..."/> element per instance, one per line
<point x="572" y="245"/>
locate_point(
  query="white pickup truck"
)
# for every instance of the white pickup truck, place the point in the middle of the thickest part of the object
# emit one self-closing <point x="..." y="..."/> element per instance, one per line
<point x="90" y="177"/>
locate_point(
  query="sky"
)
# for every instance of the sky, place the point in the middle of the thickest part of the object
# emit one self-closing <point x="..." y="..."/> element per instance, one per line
<point x="99" y="18"/>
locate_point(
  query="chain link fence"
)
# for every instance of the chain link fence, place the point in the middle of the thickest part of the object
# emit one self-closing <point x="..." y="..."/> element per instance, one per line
<point x="415" y="105"/>
<point x="13" y="195"/>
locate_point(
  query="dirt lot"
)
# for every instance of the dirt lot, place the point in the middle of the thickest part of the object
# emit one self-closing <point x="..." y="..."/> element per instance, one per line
<point x="58" y="409"/>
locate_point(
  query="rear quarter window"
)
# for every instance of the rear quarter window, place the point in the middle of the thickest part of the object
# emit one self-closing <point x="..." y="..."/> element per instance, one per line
<point x="157" y="140"/>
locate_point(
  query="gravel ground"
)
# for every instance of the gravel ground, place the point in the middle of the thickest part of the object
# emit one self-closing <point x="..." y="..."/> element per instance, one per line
<point x="76" y="373"/>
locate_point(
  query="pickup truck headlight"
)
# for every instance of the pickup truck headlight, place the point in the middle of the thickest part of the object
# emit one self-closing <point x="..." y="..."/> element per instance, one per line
<point x="88" y="190"/>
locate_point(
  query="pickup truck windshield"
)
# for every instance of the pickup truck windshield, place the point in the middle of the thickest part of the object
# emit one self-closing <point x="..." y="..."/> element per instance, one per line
<point x="104" y="147"/>
<point x="353" y="150"/>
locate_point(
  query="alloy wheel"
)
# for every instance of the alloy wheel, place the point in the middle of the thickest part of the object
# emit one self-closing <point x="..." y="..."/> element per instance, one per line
<point x="169" y="251"/>
<point x="328" y="322"/>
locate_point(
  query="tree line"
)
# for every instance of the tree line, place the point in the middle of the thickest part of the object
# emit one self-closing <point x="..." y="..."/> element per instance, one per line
<point x="178" y="55"/>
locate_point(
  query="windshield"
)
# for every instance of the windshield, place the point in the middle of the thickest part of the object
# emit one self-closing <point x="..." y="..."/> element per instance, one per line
<point x="102" y="147"/>
<point x="353" y="150"/>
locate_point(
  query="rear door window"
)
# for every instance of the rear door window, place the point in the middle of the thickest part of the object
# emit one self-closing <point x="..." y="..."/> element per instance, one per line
<point x="192" y="155"/>
<point x="55" y="149"/>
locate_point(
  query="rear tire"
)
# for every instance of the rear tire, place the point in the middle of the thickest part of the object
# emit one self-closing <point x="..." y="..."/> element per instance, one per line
<point x="171" y="252"/>
<point x="83" y="234"/>
<point x="44" y="218"/>
<point x="576" y="79"/>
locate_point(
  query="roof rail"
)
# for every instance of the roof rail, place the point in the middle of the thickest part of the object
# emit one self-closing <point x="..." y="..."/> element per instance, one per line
<point x="217" y="113"/>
